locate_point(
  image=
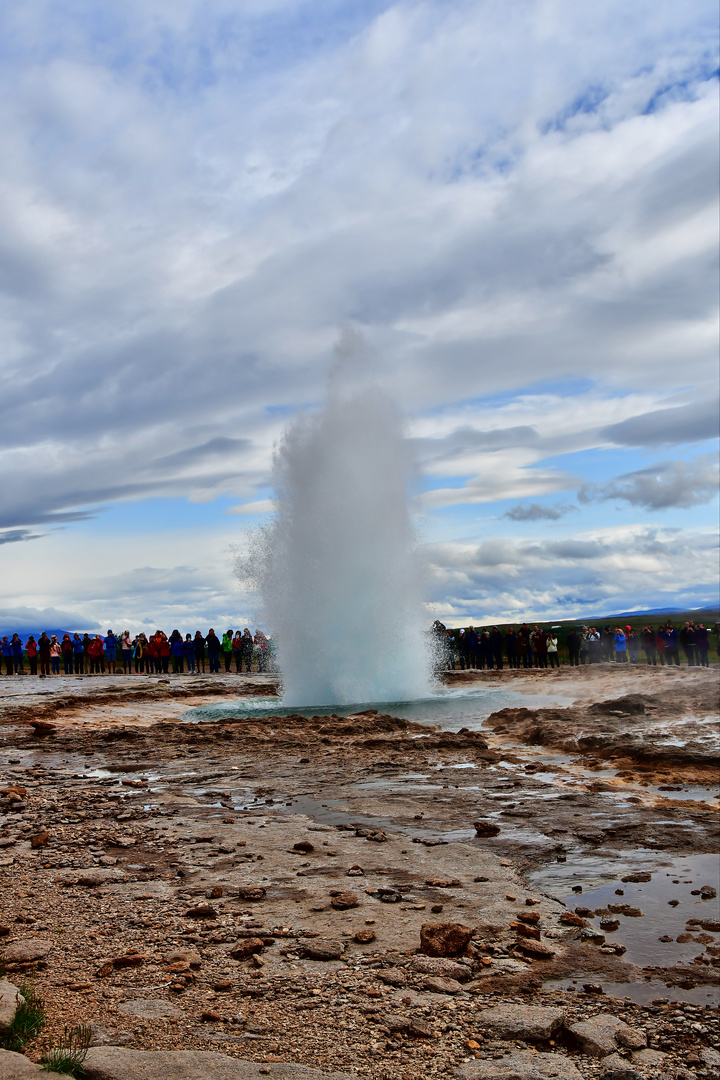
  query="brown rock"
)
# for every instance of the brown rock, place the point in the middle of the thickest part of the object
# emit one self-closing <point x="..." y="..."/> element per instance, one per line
<point x="441" y="967"/>
<point x="537" y="949"/>
<point x="128" y="960"/>
<point x="442" y="883"/>
<point x="345" y="900"/>
<point x="406" y="1025"/>
<point x="323" y="949"/>
<point x="242" y="950"/>
<point x="202" y="911"/>
<point x="486" y="828"/>
<point x="364" y="937"/>
<point x="40" y="839"/>
<point x="304" y="846"/>
<point x="445" y="938"/>
<point x="251" y="892"/>
<point x="440" y="985"/>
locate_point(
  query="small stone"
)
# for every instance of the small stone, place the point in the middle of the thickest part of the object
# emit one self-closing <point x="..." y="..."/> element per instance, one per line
<point x="40" y="839"/>
<point x="364" y="937"/>
<point x="637" y="877"/>
<point x="396" y="1023"/>
<point x="210" y="1017"/>
<point x="304" y="846"/>
<point x="216" y="892"/>
<point x="355" y="871"/>
<point x="442" y="986"/>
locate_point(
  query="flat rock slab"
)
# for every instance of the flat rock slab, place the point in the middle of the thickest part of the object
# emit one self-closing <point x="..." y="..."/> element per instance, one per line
<point x="523" y="1065"/>
<point x="16" y="1067"/>
<point x="602" y="1035"/>
<point x="10" y="1001"/>
<point x="117" y="1063"/>
<point x="531" y="1022"/>
<point x="25" y="952"/>
<point x="149" y="1008"/>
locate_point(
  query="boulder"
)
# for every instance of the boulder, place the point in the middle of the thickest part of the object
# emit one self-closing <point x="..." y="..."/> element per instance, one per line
<point x="323" y="949"/>
<point x="10" y="1001"/>
<point x="444" y="938"/>
<point x="441" y="967"/>
<point x="602" y="1034"/>
<point x="27" y="951"/>
<point x="533" y="1023"/>
<point x="118" y="1063"/>
<point x="522" y="1065"/>
<point x="16" y="1067"/>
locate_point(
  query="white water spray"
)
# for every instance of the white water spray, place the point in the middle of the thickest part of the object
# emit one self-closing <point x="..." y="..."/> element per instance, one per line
<point x="339" y="581"/>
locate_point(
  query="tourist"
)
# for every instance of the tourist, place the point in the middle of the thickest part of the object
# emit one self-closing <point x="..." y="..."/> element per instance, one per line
<point x="672" y="645"/>
<point x="17" y="653"/>
<point x="574" y="643"/>
<point x="55" y="653"/>
<point x="688" y="639"/>
<point x="525" y="645"/>
<point x="7" y="656"/>
<point x="138" y="654"/>
<point x="95" y="654"/>
<point x="67" y="654"/>
<point x="247" y="649"/>
<point x="177" y="651"/>
<point x="126" y="652"/>
<point x="647" y="636"/>
<point x="32" y="653"/>
<point x="44" y="654"/>
<point x="226" y="647"/>
<point x="261" y="645"/>
<point x="213" y="648"/>
<point x="702" y="646"/>
<point x="633" y="644"/>
<point x="162" y="651"/>
<point x="511" y="648"/>
<point x="620" y="646"/>
<point x="111" y="651"/>
<point x="78" y="654"/>
<point x="551" y="642"/>
<point x="199" y="644"/>
<point x="189" y="653"/>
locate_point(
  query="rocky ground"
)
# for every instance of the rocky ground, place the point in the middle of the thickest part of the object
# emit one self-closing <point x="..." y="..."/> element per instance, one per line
<point x="364" y="894"/>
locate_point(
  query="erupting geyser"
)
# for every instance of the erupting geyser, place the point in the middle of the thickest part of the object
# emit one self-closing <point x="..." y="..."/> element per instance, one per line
<point x="338" y="577"/>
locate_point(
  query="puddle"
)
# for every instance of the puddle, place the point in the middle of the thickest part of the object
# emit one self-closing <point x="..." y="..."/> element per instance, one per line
<point x="642" y="993"/>
<point x="673" y="878"/>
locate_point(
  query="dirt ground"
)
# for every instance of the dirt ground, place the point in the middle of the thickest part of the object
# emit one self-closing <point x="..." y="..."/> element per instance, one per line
<point x="258" y="885"/>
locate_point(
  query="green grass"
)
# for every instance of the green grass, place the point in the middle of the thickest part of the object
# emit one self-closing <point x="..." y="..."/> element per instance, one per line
<point x="29" y="1021"/>
<point x="68" y="1056"/>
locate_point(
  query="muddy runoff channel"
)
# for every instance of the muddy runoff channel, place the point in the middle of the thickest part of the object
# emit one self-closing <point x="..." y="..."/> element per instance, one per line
<point x="570" y="819"/>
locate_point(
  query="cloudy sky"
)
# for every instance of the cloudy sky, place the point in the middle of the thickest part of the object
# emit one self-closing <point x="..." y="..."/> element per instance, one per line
<point x="515" y="203"/>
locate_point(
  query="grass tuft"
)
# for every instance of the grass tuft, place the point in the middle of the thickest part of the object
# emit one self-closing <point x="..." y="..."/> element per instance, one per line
<point x="29" y="1021"/>
<point x="68" y="1056"/>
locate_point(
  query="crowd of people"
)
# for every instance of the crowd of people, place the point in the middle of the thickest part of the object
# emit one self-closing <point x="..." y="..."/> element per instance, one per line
<point x="98" y="654"/>
<point x="533" y="647"/>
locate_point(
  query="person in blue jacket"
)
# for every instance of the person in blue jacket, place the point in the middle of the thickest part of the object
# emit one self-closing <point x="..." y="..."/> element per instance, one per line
<point x="78" y="654"/>
<point x="672" y="645"/>
<point x="177" y="651"/>
<point x="17" y="651"/>
<point x="110" y="643"/>
<point x="620" y="646"/>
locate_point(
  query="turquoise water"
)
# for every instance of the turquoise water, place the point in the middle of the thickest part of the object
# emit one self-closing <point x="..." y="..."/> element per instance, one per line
<point x="446" y="708"/>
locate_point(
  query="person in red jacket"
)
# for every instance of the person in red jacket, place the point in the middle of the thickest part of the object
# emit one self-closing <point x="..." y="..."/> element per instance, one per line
<point x="32" y="651"/>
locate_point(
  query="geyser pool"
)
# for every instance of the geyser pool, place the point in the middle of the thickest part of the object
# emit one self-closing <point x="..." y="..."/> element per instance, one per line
<point x="336" y="567"/>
